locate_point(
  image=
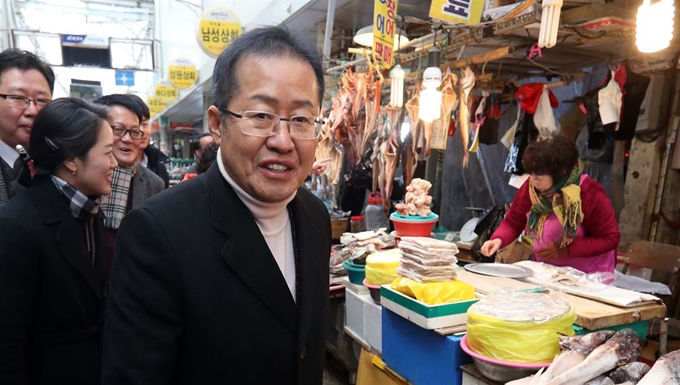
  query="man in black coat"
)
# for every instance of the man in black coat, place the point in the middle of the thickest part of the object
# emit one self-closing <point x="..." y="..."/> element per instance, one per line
<point x="26" y="85"/>
<point x="223" y="279"/>
<point x="150" y="156"/>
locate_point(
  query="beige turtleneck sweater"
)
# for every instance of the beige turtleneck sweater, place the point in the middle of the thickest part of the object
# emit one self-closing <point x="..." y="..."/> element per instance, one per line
<point x="274" y="223"/>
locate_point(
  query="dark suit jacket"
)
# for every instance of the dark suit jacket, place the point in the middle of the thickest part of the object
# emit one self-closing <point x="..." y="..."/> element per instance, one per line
<point x="51" y="295"/>
<point x="11" y="186"/>
<point x="196" y="296"/>
<point x="144" y="185"/>
<point x="156" y="163"/>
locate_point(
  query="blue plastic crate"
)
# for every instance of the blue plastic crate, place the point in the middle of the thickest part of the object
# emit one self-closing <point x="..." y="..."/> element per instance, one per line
<point x="421" y="356"/>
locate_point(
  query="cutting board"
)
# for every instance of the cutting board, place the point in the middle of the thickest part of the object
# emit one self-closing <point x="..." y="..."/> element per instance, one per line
<point x="590" y="314"/>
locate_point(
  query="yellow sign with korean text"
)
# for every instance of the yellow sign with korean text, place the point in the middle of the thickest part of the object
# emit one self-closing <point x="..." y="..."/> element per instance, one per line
<point x="182" y="73"/>
<point x="457" y="11"/>
<point x="217" y="28"/>
<point x="384" y="29"/>
<point x="155" y="104"/>
<point x="166" y="93"/>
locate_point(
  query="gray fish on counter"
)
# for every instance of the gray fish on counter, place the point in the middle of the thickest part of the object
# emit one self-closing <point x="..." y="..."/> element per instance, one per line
<point x="574" y="350"/>
<point x="623" y="347"/>
<point x="632" y="372"/>
<point x="666" y="370"/>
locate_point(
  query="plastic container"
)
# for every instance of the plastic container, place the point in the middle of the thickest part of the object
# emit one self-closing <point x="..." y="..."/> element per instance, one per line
<point x="375" y="218"/>
<point x="355" y="273"/>
<point x="357" y="223"/>
<point x="414" y="225"/>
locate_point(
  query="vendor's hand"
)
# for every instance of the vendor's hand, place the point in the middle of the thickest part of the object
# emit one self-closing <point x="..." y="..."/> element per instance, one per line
<point x="551" y="251"/>
<point x="489" y="248"/>
<point x="320" y="166"/>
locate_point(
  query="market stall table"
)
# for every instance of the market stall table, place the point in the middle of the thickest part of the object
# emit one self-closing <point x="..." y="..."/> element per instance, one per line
<point x="591" y="314"/>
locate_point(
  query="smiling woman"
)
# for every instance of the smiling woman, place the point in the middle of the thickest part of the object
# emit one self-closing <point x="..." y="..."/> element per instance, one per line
<point x="52" y="263"/>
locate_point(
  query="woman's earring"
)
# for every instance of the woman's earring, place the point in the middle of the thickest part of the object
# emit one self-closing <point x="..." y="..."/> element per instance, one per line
<point x="74" y="172"/>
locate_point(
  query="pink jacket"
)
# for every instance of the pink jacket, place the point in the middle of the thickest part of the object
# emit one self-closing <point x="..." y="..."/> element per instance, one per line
<point x="597" y="238"/>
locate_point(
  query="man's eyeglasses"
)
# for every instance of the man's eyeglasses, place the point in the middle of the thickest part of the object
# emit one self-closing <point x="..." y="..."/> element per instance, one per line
<point x="121" y="131"/>
<point x="18" y="101"/>
<point x="265" y="124"/>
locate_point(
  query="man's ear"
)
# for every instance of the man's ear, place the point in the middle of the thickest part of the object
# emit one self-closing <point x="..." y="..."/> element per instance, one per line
<point x="215" y="123"/>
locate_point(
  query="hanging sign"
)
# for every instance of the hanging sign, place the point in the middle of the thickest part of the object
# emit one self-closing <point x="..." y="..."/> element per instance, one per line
<point x="384" y="29"/>
<point x="155" y="104"/>
<point x="217" y="28"/>
<point x="85" y="41"/>
<point x="166" y="93"/>
<point x="457" y="11"/>
<point x="182" y="73"/>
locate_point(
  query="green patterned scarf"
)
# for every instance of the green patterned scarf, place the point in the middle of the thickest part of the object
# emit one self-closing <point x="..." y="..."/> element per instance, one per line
<point x="564" y="199"/>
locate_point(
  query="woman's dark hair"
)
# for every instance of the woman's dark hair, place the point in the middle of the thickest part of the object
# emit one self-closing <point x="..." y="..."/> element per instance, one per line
<point x="265" y="42"/>
<point x="207" y="158"/>
<point x="554" y="156"/>
<point x="64" y="128"/>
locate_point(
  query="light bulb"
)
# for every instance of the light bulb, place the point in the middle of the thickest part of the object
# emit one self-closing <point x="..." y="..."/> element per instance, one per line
<point x="654" y="30"/>
<point x="550" y="23"/>
<point x="430" y="104"/>
<point x="397" y="75"/>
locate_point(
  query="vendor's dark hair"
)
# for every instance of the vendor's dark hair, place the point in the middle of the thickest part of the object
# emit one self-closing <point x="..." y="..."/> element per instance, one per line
<point x="124" y="101"/>
<point x="555" y="156"/>
<point x="262" y="42"/>
<point x="24" y="61"/>
<point x="64" y="128"/>
<point x="207" y="158"/>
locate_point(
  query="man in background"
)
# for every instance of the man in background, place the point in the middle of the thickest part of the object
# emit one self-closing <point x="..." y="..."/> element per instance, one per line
<point x="26" y="86"/>
<point x="200" y="142"/>
<point x="150" y="156"/>
<point x="131" y="183"/>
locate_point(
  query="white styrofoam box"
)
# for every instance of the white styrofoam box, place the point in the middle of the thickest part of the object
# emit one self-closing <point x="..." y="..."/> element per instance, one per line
<point x="373" y="323"/>
<point x="354" y="314"/>
<point x="364" y="320"/>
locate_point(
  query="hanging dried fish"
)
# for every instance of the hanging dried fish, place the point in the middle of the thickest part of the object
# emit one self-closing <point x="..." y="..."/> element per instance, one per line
<point x="467" y="83"/>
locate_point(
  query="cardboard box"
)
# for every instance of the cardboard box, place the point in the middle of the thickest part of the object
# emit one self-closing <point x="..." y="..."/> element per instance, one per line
<point x="422" y="314"/>
<point x="421" y="356"/>
<point x="338" y="227"/>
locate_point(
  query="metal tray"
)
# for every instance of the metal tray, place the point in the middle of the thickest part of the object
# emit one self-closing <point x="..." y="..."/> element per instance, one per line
<point x="499" y="270"/>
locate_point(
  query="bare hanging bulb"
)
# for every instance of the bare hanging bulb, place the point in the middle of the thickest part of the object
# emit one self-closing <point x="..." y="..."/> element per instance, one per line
<point x="550" y="23"/>
<point x="397" y="75"/>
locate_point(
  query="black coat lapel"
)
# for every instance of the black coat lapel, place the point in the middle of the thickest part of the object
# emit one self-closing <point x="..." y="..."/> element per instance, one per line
<point x="308" y="263"/>
<point x="56" y="213"/>
<point x="245" y="250"/>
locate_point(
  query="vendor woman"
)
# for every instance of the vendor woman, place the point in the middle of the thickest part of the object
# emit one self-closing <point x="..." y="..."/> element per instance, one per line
<point x="568" y="213"/>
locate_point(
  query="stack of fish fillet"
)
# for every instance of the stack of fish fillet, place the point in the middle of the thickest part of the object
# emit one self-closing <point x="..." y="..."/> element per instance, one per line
<point x="427" y="259"/>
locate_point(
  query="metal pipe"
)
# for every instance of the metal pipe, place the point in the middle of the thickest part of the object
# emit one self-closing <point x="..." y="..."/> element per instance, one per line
<point x="330" y="17"/>
<point x="421" y="40"/>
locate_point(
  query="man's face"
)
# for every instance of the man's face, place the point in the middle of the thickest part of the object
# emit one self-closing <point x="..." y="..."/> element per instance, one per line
<point x="16" y="123"/>
<point x="125" y="149"/>
<point x="269" y="169"/>
<point x="145" y="127"/>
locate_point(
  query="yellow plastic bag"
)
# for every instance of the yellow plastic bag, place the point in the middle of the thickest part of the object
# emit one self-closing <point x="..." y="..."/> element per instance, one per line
<point x="381" y="267"/>
<point x="519" y="327"/>
<point x="434" y="293"/>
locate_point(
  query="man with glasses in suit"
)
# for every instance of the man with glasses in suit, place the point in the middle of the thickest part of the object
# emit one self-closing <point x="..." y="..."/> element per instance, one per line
<point x="223" y="279"/>
<point x="131" y="183"/>
<point x="26" y="86"/>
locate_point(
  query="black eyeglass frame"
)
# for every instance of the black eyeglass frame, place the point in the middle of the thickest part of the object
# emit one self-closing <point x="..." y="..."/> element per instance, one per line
<point x="26" y="100"/>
